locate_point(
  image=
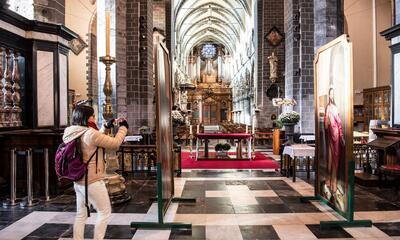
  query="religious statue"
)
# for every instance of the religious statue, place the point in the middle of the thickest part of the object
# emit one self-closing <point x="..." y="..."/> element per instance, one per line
<point x="184" y="101"/>
<point x="273" y="65"/>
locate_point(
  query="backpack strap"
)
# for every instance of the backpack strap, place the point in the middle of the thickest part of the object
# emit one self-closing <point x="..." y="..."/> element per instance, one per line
<point x="86" y="194"/>
<point x="86" y="183"/>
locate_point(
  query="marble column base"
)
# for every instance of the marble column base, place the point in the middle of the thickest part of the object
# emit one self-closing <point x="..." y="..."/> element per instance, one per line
<point x="115" y="184"/>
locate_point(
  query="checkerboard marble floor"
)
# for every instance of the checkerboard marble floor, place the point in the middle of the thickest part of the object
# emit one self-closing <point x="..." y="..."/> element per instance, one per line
<point x="245" y="204"/>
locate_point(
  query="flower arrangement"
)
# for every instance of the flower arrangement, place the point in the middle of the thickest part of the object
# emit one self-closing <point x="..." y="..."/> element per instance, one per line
<point x="277" y="124"/>
<point x="177" y="118"/>
<point x="222" y="147"/>
<point x="291" y="117"/>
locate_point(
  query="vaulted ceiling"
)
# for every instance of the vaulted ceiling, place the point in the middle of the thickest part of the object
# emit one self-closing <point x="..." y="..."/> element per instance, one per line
<point x="217" y="21"/>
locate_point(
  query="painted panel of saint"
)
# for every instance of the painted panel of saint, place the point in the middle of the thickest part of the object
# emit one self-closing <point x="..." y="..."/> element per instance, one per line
<point x="333" y="121"/>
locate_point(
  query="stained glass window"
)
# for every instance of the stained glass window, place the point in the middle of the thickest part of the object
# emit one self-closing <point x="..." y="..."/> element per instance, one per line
<point x="208" y="51"/>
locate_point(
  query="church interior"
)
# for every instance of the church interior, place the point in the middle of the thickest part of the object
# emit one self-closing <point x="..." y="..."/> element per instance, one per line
<point x="209" y="119"/>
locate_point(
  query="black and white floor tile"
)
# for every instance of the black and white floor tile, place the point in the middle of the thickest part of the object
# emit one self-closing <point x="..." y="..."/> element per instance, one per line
<point x="234" y="205"/>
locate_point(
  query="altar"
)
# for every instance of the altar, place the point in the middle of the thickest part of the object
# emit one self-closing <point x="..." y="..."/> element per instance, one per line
<point x="238" y="137"/>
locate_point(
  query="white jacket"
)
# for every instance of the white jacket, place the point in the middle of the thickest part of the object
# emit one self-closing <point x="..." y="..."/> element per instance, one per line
<point x="90" y="140"/>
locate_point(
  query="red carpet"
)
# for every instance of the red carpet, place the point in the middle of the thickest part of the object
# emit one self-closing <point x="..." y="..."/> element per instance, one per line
<point x="259" y="162"/>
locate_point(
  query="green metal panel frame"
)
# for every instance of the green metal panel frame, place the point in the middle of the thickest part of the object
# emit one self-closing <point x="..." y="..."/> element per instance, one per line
<point x="160" y="210"/>
<point x="349" y="215"/>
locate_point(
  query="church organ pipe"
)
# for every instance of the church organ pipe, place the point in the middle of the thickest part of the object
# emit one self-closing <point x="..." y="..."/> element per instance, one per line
<point x="16" y="97"/>
<point x="8" y="87"/>
<point x="198" y="62"/>
<point x="189" y="67"/>
<point x="219" y="62"/>
<point x="193" y="68"/>
<point x="222" y="66"/>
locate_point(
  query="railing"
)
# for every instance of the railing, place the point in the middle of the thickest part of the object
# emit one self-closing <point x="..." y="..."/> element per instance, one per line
<point x="143" y="158"/>
<point x="10" y="95"/>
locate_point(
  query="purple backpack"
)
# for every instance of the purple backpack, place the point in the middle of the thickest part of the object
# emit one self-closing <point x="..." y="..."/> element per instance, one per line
<point x="69" y="163"/>
<point x="70" y="166"/>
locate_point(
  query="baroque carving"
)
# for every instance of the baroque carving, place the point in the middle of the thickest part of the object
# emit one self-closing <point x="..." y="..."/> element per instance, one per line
<point x="77" y="45"/>
<point x="274" y="37"/>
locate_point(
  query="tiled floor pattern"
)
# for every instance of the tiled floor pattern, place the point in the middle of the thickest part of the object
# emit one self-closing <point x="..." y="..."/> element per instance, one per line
<point x="229" y="205"/>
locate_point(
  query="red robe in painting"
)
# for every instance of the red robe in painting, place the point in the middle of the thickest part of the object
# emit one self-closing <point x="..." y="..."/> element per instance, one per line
<point x="334" y="136"/>
<point x="333" y="126"/>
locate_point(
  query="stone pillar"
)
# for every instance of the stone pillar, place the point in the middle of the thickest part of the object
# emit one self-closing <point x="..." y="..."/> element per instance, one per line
<point x="270" y="13"/>
<point x="121" y="58"/>
<point x="328" y="21"/>
<point x="139" y="67"/>
<point x="159" y="15"/>
<point x="307" y="27"/>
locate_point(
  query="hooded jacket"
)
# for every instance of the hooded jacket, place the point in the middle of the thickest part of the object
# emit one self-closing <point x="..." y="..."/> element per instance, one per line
<point x="90" y="140"/>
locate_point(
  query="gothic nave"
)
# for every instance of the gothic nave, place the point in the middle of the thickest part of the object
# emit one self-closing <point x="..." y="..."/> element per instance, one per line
<point x="199" y="119"/>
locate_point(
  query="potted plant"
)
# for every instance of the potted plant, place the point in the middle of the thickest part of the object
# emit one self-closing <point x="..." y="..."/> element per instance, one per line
<point x="276" y="136"/>
<point x="221" y="149"/>
<point x="289" y="120"/>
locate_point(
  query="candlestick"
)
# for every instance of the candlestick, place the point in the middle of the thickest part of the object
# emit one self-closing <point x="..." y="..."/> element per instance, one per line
<point x="107" y="33"/>
<point x="107" y="88"/>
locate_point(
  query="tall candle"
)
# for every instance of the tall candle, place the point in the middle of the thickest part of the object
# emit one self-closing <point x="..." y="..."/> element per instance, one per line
<point x="191" y="129"/>
<point x="107" y="33"/>
<point x="253" y="125"/>
<point x="247" y="128"/>
<point x="198" y="128"/>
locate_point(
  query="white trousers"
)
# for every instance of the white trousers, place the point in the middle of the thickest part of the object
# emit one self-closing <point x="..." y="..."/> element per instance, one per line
<point x="98" y="197"/>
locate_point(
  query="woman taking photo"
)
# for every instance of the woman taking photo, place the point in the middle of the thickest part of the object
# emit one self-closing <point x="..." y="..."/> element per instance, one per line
<point x="93" y="143"/>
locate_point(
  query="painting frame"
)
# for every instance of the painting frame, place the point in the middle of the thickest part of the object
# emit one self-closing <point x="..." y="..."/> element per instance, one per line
<point x="164" y="140"/>
<point x="323" y="146"/>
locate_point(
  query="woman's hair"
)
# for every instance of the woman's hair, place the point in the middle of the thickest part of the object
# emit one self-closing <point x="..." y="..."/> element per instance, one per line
<point x="81" y="115"/>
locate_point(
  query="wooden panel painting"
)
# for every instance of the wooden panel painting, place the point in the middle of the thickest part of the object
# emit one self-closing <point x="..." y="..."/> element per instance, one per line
<point x="163" y="121"/>
<point x="334" y="122"/>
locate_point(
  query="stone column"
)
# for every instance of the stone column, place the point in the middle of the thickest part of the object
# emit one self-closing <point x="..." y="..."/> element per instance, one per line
<point x="270" y="13"/>
<point x="121" y="57"/>
<point x="328" y="21"/>
<point x="139" y="67"/>
<point x="308" y="25"/>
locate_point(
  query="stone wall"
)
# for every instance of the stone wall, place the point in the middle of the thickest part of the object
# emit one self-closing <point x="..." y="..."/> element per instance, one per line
<point x="159" y="15"/>
<point x="306" y="61"/>
<point x="121" y="53"/>
<point x="299" y="75"/>
<point x="139" y="64"/>
<point x="308" y="25"/>
<point x="270" y="13"/>
<point x="328" y="21"/>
